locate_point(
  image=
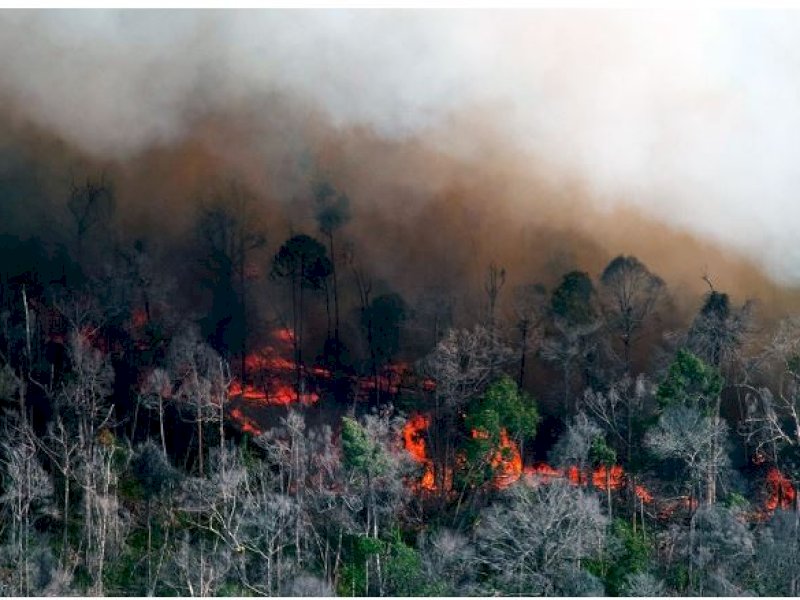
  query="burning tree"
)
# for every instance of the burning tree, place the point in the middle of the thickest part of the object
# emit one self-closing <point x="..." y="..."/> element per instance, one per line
<point x="462" y="365"/>
<point x="498" y="422"/>
<point x="772" y="420"/>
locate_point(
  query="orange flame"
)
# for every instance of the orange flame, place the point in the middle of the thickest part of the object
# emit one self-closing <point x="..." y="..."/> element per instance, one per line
<point x="414" y="441"/>
<point x="614" y="477"/>
<point x="508" y="461"/>
<point x="780" y="492"/>
<point x="246" y="424"/>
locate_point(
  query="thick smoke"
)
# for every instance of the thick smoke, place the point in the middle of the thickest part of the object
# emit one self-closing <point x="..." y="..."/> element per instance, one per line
<point x="542" y="139"/>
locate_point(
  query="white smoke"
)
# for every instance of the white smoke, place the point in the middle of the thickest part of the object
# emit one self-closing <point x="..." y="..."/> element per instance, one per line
<point x="691" y="116"/>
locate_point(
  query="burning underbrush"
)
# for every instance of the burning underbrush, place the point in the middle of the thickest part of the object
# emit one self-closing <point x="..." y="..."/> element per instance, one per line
<point x="507" y="463"/>
<point x="272" y="378"/>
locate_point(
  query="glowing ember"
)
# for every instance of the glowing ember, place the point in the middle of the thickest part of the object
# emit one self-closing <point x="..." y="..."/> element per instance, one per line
<point x="284" y="334"/>
<point x="246" y="424"/>
<point x="544" y="473"/>
<point x="279" y="395"/>
<point x="138" y="318"/>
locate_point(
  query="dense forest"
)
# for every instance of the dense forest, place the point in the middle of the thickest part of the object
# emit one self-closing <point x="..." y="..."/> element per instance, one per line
<point x="239" y="414"/>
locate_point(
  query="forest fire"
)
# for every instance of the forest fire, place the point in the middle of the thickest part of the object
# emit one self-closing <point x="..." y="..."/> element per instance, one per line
<point x="269" y="370"/>
<point x="780" y="492"/>
<point x="414" y="441"/>
<point x="600" y="478"/>
<point x="508" y="464"/>
<point x="506" y="460"/>
<point x="246" y="424"/>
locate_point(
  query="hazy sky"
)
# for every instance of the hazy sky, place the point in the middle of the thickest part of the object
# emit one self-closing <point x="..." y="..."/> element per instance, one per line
<point x="692" y="116"/>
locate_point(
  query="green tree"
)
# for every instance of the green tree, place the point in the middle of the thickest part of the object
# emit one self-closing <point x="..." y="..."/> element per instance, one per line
<point x="573" y="299"/>
<point x="571" y="339"/>
<point x="503" y="410"/>
<point x="690" y="382"/>
<point x="603" y="455"/>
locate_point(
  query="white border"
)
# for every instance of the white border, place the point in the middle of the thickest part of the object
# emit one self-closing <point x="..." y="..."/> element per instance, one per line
<point x="410" y="4"/>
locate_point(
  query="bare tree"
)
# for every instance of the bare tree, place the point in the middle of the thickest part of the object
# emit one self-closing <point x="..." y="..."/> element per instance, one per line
<point x="91" y="207"/>
<point x="530" y="311"/>
<point x="772" y="417"/>
<point x="493" y="285"/>
<point x="777" y="556"/>
<point x="155" y="393"/>
<point x="229" y="227"/>
<point x="717" y="546"/>
<point x="28" y="490"/>
<point x="199" y="566"/>
<point x="720" y="330"/>
<point x="201" y="381"/>
<point x="617" y="409"/>
<point x="447" y="561"/>
<point x="629" y="293"/>
<point x="333" y="212"/>
<point x="538" y="538"/>
<point x="461" y="365"/>
<point x="567" y="347"/>
<point x="698" y="441"/>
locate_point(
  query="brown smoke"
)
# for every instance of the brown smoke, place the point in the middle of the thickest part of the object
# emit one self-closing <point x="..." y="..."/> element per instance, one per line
<point x="423" y="214"/>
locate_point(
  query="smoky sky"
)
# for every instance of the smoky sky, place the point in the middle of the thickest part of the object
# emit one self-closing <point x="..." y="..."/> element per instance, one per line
<point x="689" y="117"/>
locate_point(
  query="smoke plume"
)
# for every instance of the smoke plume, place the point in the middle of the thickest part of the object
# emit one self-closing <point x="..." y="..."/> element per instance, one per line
<point x="540" y="140"/>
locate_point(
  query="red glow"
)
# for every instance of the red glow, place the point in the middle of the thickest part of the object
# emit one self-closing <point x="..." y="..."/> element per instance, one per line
<point x="138" y="318"/>
<point x="277" y="395"/>
<point x="643" y="494"/>
<point x="284" y="334"/>
<point x="271" y="378"/>
<point x="245" y="423"/>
